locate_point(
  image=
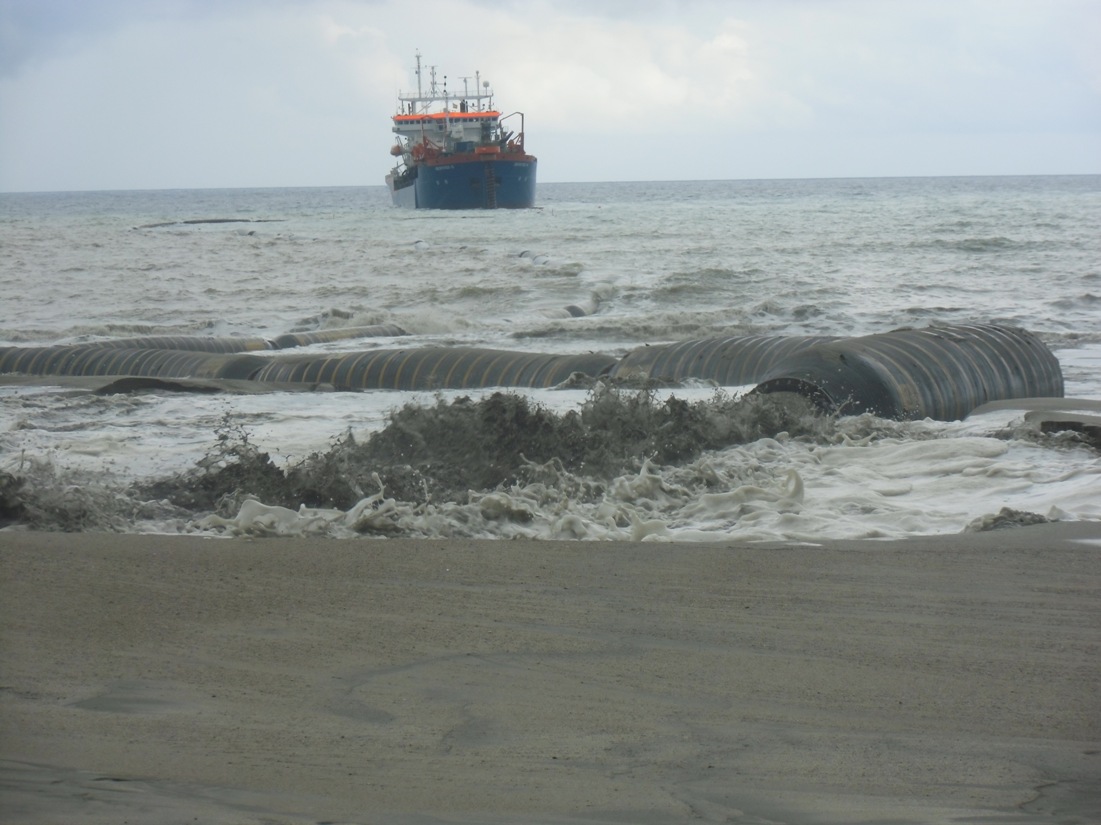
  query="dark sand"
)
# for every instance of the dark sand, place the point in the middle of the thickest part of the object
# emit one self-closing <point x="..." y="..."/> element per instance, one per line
<point x="151" y="679"/>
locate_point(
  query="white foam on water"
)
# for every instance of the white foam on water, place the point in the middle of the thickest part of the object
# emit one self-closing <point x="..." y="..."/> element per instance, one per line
<point x="772" y="489"/>
<point x="933" y="477"/>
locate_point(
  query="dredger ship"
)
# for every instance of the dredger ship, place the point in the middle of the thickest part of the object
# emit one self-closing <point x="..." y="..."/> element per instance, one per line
<point x="455" y="150"/>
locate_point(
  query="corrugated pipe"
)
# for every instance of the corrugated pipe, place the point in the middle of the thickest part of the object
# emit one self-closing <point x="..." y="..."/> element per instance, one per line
<point x="324" y="336"/>
<point x="429" y="368"/>
<point x="939" y="372"/>
<point x="729" y="362"/>
<point x="118" y="361"/>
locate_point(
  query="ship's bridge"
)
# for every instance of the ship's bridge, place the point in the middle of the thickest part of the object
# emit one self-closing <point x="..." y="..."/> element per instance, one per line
<point x="458" y="126"/>
<point x="447" y="120"/>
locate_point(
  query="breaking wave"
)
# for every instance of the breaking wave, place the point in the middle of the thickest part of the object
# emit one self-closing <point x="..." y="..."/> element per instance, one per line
<point x="624" y="466"/>
<point x="443" y="455"/>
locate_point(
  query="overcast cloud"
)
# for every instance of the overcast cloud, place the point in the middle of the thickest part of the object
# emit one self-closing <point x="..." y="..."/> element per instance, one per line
<point x="127" y="94"/>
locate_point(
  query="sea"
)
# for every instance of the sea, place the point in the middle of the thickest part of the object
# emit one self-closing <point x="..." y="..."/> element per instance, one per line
<point x="594" y="268"/>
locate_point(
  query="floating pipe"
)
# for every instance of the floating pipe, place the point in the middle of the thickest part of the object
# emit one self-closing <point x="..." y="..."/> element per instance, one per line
<point x="118" y="361"/>
<point x="729" y="362"/>
<point x="34" y="360"/>
<point x="939" y="372"/>
<point x="176" y="364"/>
<point x="57" y="360"/>
<point x="323" y="336"/>
<point x="430" y="368"/>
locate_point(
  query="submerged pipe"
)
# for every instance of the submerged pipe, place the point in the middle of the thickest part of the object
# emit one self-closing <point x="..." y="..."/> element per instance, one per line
<point x="938" y="372"/>
<point x="430" y="368"/>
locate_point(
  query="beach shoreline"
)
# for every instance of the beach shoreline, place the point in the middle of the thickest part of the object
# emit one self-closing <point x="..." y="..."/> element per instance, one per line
<point x="165" y="679"/>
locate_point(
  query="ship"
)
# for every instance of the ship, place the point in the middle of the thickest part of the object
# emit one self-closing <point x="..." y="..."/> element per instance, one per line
<point x="455" y="150"/>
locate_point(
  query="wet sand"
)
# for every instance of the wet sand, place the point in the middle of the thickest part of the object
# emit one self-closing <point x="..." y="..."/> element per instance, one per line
<point x="173" y="679"/>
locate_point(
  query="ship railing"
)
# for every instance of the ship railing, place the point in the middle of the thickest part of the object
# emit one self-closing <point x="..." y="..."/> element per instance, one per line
<point x="446" y="99"/>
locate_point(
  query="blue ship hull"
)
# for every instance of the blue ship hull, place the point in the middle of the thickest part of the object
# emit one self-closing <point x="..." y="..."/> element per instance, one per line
<point x="466" y="184"/>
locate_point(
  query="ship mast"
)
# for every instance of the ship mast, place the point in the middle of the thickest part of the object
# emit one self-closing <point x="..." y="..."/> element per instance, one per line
<point x="481" y="96"/>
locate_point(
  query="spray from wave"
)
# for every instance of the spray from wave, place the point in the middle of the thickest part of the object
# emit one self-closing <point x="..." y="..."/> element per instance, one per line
<point x="625" y="465"/>
<point x="424" y="456"/>
<point x="440" y="452"/>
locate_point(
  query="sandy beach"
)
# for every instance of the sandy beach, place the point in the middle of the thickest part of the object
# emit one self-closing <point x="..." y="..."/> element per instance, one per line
<point x="151" y="679"/>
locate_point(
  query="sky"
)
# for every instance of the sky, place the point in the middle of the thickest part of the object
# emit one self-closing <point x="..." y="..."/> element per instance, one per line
<point x="165" y="94"/>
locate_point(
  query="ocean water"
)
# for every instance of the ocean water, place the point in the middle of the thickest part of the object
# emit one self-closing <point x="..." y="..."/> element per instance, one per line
<point x="600" y="267"/>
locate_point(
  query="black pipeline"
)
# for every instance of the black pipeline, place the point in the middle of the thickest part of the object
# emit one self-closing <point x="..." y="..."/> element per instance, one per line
<point x="940" y="372"/>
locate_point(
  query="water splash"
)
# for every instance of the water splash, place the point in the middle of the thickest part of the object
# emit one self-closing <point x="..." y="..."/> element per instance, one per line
<point x="624" y="466"/>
